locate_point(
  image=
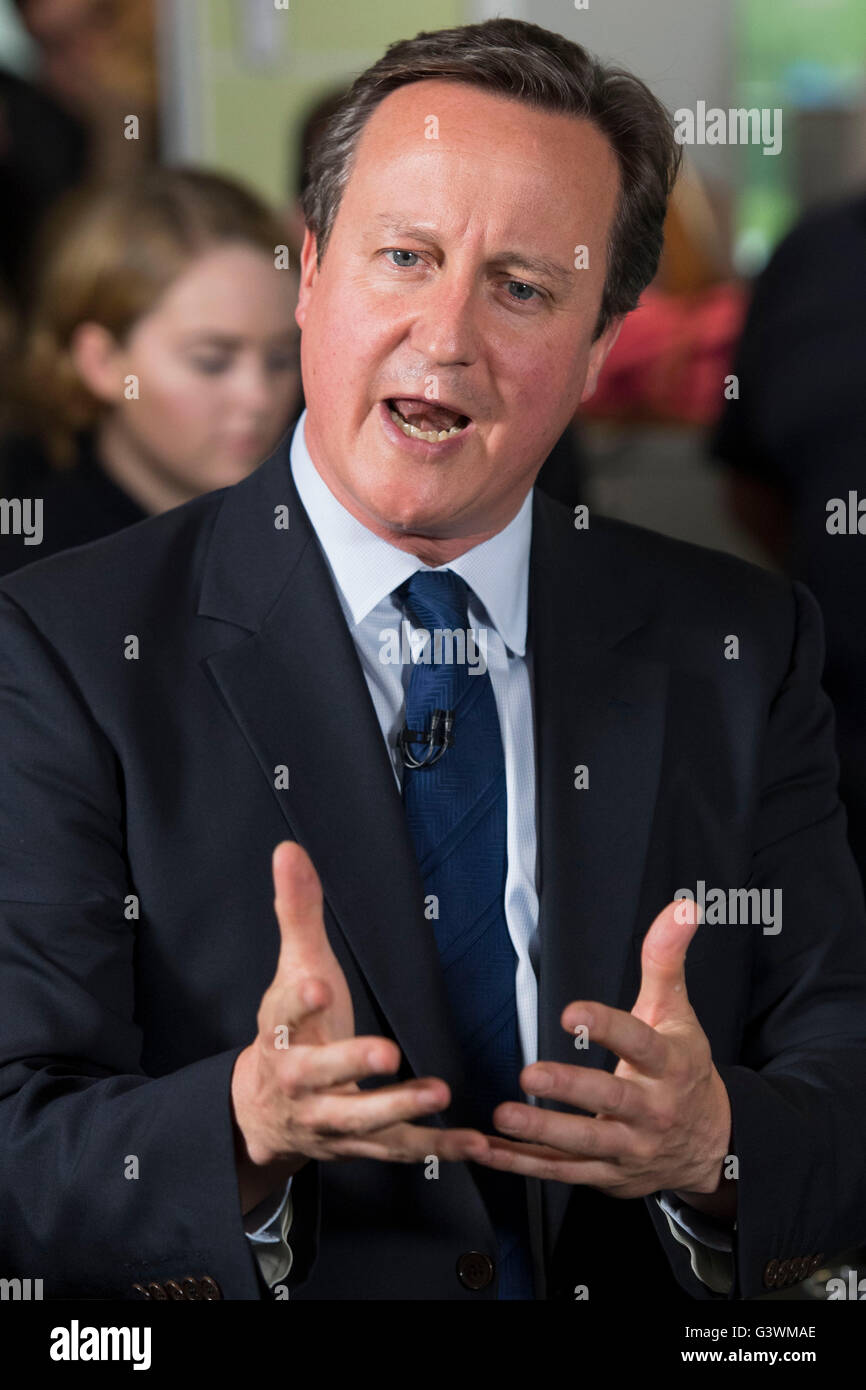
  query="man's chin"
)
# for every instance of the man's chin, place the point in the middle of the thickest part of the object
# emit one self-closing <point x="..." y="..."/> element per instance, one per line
<point x="406" y="506"/>
<point x="421" y="522"/>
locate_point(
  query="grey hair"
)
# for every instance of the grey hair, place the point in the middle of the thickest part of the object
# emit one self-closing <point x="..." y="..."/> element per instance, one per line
<point x="549" y="72"/>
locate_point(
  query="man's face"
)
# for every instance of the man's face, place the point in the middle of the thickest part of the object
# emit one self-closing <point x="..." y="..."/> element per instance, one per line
<point x="448" y="294"/>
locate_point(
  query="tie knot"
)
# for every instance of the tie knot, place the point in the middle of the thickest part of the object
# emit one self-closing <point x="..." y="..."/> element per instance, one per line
<point x="437" y="599"/>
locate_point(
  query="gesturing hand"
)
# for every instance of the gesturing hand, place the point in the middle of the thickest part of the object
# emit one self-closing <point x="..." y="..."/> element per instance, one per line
<point x="301" y="1101"/>
<point x="662" y="1120"/>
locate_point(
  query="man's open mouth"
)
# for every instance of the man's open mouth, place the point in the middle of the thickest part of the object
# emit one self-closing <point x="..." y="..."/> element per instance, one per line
<point x="428" y="420"/>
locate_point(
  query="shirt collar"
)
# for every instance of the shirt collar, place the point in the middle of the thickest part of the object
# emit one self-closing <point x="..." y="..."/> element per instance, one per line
<point x="366" y="569"/>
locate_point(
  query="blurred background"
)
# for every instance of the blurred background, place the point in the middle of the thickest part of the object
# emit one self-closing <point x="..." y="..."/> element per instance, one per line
<point x="152" y="153"/>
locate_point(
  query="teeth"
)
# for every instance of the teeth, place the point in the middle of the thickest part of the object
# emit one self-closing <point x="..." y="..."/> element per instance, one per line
<point x="431" y="436"/>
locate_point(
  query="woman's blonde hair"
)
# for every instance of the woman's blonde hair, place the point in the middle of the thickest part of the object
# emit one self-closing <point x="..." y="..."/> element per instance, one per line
<point x="106" y="257"/>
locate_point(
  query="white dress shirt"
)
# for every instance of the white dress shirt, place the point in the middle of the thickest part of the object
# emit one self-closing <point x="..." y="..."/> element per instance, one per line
<point x="365" y="571"/>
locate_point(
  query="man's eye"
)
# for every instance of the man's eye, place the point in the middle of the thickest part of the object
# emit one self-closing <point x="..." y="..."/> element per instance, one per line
<point x="403" y="264"/>
<point x="521" y="285"/>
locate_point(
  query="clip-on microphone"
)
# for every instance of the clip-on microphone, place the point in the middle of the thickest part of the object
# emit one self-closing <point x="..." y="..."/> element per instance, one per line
<point x="439" y="737"/>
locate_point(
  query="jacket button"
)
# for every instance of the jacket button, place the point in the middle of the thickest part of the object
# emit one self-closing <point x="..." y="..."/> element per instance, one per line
<point x="173" y="1289"/>
<point x="191" y="1291"/>
<point x="141" y="1291"/>
<point x="816" y="1262"/>
<point x="210" y="1288"/>
<point x="475" y="1269"/>
<point x="783" y="1274"/>
<point x="795" y="1267"/>
<point x="771" y="1270"/>
<point x="156" y="1291"/>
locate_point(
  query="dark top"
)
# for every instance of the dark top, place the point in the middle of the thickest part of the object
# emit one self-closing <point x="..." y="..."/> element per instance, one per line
<point x="78" y="505"/>
<point x="43" y="154"/>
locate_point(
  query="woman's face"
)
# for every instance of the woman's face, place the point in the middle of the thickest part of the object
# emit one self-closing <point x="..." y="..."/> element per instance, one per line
<point x="217" y="368"/>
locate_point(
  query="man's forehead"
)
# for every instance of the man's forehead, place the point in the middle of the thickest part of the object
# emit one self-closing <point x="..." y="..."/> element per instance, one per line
<point x="443" y="114"/>
<point x="485" y="147"/>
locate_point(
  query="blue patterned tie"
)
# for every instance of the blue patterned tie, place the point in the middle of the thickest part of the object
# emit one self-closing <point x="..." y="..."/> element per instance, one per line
<point x="456" y="812"/>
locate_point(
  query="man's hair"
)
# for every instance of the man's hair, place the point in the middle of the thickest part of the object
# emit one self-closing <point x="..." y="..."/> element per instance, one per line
<point x="510" y="58"/>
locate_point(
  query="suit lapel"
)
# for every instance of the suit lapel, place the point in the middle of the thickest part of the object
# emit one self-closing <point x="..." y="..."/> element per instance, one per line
<point x="296" y="688"/>
<point x="596" y="706"/>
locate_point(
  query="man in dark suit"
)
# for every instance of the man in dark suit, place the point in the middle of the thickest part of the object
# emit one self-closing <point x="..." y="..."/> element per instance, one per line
<point x="479" y="839"/>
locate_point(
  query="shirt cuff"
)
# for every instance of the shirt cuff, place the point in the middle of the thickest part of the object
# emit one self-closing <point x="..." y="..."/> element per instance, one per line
<point x="703" y="1228"/>
<point x="709" y="1242"/>
<point x="267" y="1228"/>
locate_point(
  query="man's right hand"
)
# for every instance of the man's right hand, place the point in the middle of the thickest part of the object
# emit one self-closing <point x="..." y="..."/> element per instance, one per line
<point x="302" y="1101"/>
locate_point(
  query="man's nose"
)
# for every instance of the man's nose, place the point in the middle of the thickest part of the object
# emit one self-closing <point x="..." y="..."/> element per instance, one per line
<point x="446" y="331"/>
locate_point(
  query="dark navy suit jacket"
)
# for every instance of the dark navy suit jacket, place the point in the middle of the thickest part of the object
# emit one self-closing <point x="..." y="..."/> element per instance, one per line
<point x="153" y="781"/>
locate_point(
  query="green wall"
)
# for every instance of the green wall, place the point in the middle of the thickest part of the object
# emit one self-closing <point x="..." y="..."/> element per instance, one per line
<point x="250" y="113"/>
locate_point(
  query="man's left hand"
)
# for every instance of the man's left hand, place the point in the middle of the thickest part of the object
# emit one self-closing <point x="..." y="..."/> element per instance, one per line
<point x="663" y="1118"/>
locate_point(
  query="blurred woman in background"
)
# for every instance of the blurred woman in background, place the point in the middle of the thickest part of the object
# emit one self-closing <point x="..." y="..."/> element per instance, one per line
<point x="160" y="360"/>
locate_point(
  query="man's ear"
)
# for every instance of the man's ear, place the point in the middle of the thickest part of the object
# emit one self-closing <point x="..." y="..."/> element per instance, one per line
<point x="98" y="360"/>
<point x="309" y="274"/>
<point x="597" y="354"/>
